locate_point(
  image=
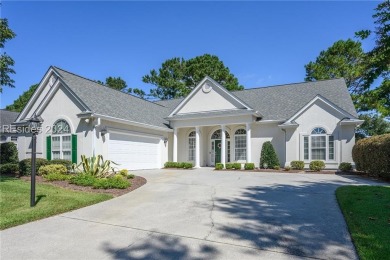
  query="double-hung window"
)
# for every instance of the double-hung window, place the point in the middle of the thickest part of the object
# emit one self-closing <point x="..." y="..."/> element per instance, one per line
<point x="318" y="145"/>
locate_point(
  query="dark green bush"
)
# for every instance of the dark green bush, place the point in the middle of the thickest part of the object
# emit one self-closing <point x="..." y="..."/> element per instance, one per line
<point x="371" y="155"/>
<point x="188" y="165"/>
<point x="130" y="176"/>
<point x="236" y="166"/>
<point x="66" y="163"/>
<point x="229" y="166"/>
<point x="249" y="166"/>
<point x="317" y="166"/>
<point x="184" y="165"/>
<point x="25" y="165"/>
<point x="171" y="165"/>
<point x="297" y="165"/>
<point x="268" y="156"/>
<point x="8" y="153"/>
<point x="9" y="168"/>
<point x="115" y="182"/>
<point x="55" y="176"/>
<point x="83" y="179"/>
<point x="219" y="166"/>
<point x="345" y="167"/>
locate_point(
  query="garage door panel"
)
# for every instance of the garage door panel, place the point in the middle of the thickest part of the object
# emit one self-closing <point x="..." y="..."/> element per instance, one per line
<point x="134" y="152"/>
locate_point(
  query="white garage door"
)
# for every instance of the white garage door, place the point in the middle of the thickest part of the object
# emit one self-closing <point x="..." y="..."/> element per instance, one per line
<point x="134" y="152"/>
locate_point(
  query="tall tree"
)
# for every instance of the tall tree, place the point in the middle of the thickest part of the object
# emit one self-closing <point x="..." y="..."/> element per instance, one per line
<point x="177" y="76"/>
<point x="22" y="100"/>
<point x="119" y="84"/>
<point x="6" y="62"/>
<point x="373" y="125"/>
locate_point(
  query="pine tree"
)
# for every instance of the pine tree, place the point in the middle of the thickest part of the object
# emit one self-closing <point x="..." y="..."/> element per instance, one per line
<point x="268" y="156"/>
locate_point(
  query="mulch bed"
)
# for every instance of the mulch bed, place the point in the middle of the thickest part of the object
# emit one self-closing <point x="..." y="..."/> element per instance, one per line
<point x="136" y="182"/>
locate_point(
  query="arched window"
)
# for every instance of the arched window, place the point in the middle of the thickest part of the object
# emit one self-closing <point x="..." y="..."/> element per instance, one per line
<point x="218" y="134"/>
<point x="61" y="141"/>
<point x="240" y="144"/>
<point x="318" y="145"/>
<point x="191" y="146"/>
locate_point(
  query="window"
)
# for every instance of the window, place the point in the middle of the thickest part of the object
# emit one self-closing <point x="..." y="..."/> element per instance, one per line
<point x="318" y="146"/>
<point x="240" y="144"/>
<point x="218" y="134"/>
<point x="61" y="141"/>
<point x="191" y="146"/>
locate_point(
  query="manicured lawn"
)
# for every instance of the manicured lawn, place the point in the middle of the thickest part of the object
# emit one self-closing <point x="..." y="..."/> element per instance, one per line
<point x="15" y="201"/>
<point x="366" y="210"/>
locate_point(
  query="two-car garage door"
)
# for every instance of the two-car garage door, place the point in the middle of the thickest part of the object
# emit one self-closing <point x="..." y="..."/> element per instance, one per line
<point x="134" y="152"/>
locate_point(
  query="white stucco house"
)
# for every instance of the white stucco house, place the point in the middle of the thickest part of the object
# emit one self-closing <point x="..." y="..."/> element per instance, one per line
<point x="304" y="121"/>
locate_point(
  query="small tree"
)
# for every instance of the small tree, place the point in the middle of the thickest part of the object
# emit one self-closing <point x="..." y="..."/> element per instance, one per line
<point x="268" y="156"/>
<point x="8" y="153"/>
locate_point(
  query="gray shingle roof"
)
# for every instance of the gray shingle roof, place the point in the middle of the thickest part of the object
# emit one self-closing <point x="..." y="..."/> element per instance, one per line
<point x="109" y="102"/>
<point x="7" y="118"/>
<point x="283" y="101"/>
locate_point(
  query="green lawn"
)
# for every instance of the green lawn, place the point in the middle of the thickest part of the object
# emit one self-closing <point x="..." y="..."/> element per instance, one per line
<point x="15" y="201"/>
<point x="366" y="210"/>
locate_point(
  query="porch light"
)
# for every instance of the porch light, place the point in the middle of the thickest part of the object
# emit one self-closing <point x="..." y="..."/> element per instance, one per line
<point x="104" y="131"/>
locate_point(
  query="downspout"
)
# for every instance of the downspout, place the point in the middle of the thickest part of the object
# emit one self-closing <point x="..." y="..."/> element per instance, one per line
<point x="94" y="136"/>
<point x="285" y="146"/>
<point x="341" y="139"/>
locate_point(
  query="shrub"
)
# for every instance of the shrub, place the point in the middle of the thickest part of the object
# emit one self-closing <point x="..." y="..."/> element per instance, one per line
<point x="66" y="163"/>
<point x="188" y="165"/>
<point x="8" y="153"/>
<point x="287" y="168"/>
<point x="372" y="154"/>
<point x="268" y="155"/>
<point x="130" y="176"/>
<point x="52" y="168"/>
<point x="345" y="166"/>
<point x="297" y="165"/>
<point x="317" y="166"/>
<point x="55" y="176"/>
<point x="96" y="166"/>
<point x="229" y="166"/>
<point x="83" y="179"/>
<point x="236" y="166"/>
<point x="25" y="165"/>
<point x="184" y="165"/>
<point x="249" y="166"/>
<point x="123" y="172"/>
<point x="219" y="166"/>
<point x="115" y="182"/>
<point x="277" y="167"/>
<point x="171" y="165"/>
<point x="9" y="168"/>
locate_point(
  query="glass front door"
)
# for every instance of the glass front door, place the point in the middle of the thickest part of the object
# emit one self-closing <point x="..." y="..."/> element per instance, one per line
<point x="217" y="147"/>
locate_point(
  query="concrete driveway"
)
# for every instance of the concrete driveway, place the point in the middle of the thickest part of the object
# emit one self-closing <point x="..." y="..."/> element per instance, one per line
<point x="198" y="214"/>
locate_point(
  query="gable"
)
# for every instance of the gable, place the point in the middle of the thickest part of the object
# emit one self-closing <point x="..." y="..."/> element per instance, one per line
<point x="209" y="96"/>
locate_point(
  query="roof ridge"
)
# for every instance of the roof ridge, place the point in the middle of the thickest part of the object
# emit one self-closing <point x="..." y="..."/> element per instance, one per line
<point x="103" y="85"/>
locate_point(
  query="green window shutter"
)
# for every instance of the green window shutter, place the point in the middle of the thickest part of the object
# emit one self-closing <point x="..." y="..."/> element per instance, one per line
<point x="74" y="148"/>
<point x="48" y="147"/>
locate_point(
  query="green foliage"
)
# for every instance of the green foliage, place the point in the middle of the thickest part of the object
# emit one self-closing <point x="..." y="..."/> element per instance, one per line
<point x="123" y="172"/>
<point x="6" y="62"/>
<point x="25" y="165"/>
<point x="116" y="83"/>
<point x="52" y="168"/>
<point x="297" y="165"/>
<point x="9" y="168"/>
<point x="56" y="176"/>
<point x="66" y="163"/>
<point x="236" y="166"/>
<point x="345" y="167"/>
<point x="96" y="166"/>
<point x="249" y="166"/>
<point x="287" y="168"/>
<point x="22" y="100"/>
<point x="8" y="153"/>
<point x="171" y="165"/>
<point x="277" y="167"/>
<point x="184" y="165"/>
<point x="82" y="179"/>
<point x="371" y="155"/>
<point x="130" y="176"/>
<point x="317" y="166"/>
<point x="219" y="166"/>
<point x="268" y="156"/>
<point x="177" y="77"/>
<point x="374" y="124"/>
<point x="115" y="182"/>
<point x="229" y="166"/>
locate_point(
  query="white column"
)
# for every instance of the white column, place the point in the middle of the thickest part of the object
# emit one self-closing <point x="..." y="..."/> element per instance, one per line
<point x="197" y="148"/>
<point x="223" y="142"/>
<point x="175" y="144"/>
<point x="248" y="143"/>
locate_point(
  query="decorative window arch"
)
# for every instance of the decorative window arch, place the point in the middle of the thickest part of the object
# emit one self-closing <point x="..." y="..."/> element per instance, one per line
<point x="240" y="144"/>
<point x="319" y="145"/>
<point x="61" y="127"/>
<point x="62" y="144"/>
<point x="191" y="146"/>
<point x="218" y="134"/>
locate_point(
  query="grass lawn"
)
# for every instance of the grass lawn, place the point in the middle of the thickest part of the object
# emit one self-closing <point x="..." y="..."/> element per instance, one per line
<point x="366" y="210"/>
<point x="15" y="201"/>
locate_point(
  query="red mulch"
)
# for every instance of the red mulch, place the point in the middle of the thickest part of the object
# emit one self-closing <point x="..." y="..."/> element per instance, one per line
<point x="136" y="182"/>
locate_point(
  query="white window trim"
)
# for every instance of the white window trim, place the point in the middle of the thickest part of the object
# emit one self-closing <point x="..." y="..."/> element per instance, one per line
<point x="61" y="150"/>
<point x="235" y="148"/>
<point x="189" y="147"/>
<point x="302" y="142"/>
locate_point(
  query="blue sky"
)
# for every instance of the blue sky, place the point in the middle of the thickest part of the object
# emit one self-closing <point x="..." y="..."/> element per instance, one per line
<point x="263" y="43"/>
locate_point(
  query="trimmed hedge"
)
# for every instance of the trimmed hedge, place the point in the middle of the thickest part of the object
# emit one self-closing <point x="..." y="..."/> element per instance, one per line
<point x="297" y="165"/>
<point x="371" y="155"/>
<point x="25" y="165"/>
<point x="52" y="169"/>
<point x="115" y="182"/>
<point x="229" y="166"/>
<point x="184" y="165"/>
<point x="268" y="156"/>
<point x="9" y="168"/>
<point x="219" y="166"/>
<point x="66" y="163"/>
<point x="236" y="166"/>
<point x="345" y="167"/>
<point x="249" y="166"/>
<point x="317" y="166"/>
<point x="8" y="153"/>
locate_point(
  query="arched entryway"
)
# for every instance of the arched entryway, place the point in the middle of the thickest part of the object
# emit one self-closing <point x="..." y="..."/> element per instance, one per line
<point x="215" y="147"/>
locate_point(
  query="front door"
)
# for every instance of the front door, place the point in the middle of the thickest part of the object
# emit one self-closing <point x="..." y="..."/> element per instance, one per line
<point x="217" y="148"/>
